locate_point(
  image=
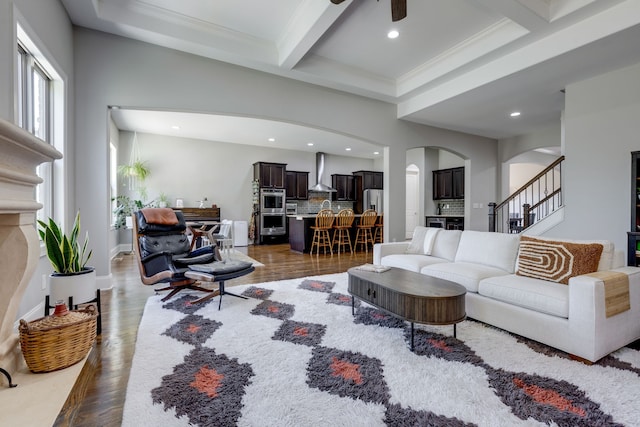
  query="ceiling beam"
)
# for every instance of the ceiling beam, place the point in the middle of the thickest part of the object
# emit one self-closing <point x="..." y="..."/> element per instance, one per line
<point x="312" y="20"/>
<point x="528" y="17"/>
<point x="615" y="19"/>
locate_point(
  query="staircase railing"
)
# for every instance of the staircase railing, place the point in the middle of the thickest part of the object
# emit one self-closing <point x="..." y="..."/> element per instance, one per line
<point x="535" y="200"/>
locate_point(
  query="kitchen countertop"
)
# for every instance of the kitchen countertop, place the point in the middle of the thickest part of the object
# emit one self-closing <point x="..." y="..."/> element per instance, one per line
<point x="303" y="216"/>
<point x="445" y="216"/>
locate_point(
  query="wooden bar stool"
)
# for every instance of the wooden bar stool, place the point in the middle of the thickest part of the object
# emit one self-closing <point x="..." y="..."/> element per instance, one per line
<point x="364" y="236"/>
<point x="321" y="236"/>
<point x="377" y="236"/>
<point x="342" y="228"/>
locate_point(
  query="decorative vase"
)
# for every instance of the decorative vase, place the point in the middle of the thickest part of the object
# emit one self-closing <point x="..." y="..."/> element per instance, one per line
<point x="81" y="286"/>
<point x="61" y="309"/>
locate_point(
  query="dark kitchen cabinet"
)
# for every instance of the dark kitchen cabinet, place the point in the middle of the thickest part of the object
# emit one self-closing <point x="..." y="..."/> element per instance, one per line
<point x="344" y="186"/>
<point x="370" y="179"/>
<point x="458" y="183"/>
<point x="297" y="185"/>
<point x="442" y="184"/>
<point x="448" y="183"/>
<point x="270" y="175"/>
<point x="365" y="180"/>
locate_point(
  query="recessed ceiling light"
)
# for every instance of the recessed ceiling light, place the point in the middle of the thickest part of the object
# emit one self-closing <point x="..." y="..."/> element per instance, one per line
<point x="310" y="144"/>
<point x="175" y="127"/>
<point x="393" y="34"/>
<point x="515" y="114"/>
<point x="271" y="139"/>
<point x="348" y="149"/>
<point x="376" y="152"/>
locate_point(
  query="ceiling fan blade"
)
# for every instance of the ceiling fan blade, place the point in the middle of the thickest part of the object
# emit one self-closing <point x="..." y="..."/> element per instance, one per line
<point x="336" y="1"/>
<point x="398" y="9"/>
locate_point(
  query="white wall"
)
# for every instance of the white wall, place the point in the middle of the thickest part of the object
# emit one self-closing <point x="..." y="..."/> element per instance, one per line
<point x="602" y="127"/>
<point x="447" y="160"/>
<point x="116" y="71"/>
<point x="520" y="174"/>
<point x="550" y="136"/>
<point x="520" y="163"/>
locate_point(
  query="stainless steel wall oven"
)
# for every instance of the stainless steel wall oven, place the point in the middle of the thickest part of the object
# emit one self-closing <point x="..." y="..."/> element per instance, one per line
<point x="272" y="212"/>
<point x="272" y="224"/>
<point x="272" y="200"/>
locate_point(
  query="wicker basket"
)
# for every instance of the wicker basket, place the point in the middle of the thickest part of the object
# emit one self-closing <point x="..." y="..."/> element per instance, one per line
<point x="51" y="343"/>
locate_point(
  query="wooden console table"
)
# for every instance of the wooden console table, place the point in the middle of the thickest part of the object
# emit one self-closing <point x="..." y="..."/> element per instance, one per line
<point x="200" y="214"/>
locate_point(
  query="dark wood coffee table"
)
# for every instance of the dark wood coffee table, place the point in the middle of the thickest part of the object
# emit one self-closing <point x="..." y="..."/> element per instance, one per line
<point x="413" y="297"/>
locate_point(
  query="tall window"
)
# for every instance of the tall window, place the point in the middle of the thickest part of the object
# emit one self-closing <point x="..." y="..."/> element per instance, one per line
<point x="35" y="114"/>
<point x="113" y="179"/>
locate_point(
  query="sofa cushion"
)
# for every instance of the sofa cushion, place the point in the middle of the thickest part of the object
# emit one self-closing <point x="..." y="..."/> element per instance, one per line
<point x="429" y="240"/>
<point x="411" y="262"/>
<point x="445" y="244"/>
<point x="422" y="240"/>
<point x="535" y="294"/>
<point x="497" y="250"/>
<point x="466" y="274"/>
<point x="416" y="246"/>
<point x="556" y="260"/>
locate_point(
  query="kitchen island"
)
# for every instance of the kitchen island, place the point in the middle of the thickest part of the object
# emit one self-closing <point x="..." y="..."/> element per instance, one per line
<point x="301" y="233"/>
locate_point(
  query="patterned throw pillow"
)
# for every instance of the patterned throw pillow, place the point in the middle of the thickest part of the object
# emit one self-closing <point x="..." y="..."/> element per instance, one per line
<point x="556" y="261"/>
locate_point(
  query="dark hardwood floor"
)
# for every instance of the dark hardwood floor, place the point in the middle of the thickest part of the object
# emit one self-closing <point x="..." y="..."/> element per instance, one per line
<point x="98" y="396"/>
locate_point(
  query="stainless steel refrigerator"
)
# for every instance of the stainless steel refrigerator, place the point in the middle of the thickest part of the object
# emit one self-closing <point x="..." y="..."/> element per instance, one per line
<point x="373" y="199"/>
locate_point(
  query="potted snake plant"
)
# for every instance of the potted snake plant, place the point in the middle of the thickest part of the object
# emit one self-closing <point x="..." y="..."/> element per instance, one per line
<point x="71" y="276"/>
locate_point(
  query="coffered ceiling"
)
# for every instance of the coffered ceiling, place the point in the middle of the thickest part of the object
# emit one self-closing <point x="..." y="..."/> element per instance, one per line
<point x="457" y="64"/>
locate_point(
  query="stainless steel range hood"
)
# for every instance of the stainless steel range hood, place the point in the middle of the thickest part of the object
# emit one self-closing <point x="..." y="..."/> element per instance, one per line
<point x="319" y="174"/>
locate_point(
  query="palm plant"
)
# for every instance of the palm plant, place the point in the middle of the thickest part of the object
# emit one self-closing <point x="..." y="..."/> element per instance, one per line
<point x="65" y="253"/>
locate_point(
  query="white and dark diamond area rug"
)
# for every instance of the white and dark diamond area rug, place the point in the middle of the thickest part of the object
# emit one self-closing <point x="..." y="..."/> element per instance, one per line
<point x="294" y="355"/>
<point x="241" y="256"/>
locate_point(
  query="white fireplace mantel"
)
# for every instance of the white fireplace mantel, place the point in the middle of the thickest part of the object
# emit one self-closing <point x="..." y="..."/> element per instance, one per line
<point x="20" y="155"/>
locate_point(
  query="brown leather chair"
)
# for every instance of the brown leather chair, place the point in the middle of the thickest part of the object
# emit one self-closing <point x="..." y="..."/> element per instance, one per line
<point x="164" y="255"/>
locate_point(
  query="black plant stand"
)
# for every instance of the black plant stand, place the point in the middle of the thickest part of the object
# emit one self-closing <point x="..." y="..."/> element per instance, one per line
<point x="6" y="374"/>
<point x="48" y="306"/>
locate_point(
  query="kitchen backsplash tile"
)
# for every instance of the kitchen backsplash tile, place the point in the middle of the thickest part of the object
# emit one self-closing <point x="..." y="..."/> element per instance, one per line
<point x="313" y="206"/>
<point x="314" y="203"/>
<point x="451" y="207"/>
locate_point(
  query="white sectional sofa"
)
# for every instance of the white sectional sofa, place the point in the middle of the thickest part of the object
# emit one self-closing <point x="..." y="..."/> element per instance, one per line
<point x="571" y="317"/>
